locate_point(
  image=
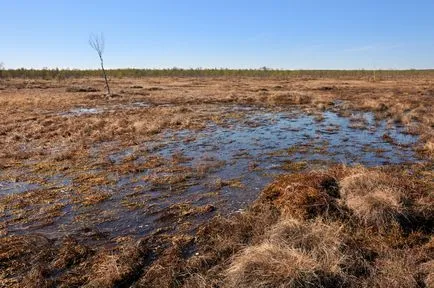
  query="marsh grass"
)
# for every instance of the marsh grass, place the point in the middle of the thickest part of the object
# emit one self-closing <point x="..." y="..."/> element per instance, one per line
<point x="339" y="227"/>
<point x="303" y="231"/>
<point x="309" y="247"/>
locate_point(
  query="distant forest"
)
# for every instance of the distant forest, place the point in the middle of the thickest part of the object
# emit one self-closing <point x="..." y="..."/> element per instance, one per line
<point x="60" y="74"/>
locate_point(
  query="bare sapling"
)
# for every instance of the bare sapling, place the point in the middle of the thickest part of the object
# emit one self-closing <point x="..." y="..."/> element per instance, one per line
<point x="98" y="44"/>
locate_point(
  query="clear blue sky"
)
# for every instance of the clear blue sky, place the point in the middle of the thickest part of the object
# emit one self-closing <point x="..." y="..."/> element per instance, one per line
<point x="291" y="34"/>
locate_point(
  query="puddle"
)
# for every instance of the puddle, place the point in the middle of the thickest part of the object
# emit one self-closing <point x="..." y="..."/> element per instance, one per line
<point x="226" y="166"/>
<point x="259" y="136"/>
<point x="82" y="111"/>
<point x="267" y="144"/>
<point x="103" y="109"/>
<point x="9" y="187"/>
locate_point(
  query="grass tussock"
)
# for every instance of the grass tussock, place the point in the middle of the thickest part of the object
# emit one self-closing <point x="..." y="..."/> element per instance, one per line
<point x="343" y="227"/>
<point x="396" y="270"/>
<point x="428" y="147"/>
<point x="304" y="196"/>
<point x="375" y="198"/>
<point x="294" y="254"/>
<point x="292" y="98"/>
<point x="119" y="267"/>
<point x="310" y="230"/>
<point x="351" y="227"/>
<point x="267" y="265"/>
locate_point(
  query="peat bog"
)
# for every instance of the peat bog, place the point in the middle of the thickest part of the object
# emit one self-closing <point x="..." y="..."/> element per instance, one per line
<point x="148" y="183"/>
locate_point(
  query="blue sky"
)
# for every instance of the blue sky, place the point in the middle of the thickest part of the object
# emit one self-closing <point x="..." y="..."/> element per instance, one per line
<point x="291" y="34"/>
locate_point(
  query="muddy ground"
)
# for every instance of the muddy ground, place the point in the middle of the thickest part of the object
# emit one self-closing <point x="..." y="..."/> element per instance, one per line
<point x="85" y="176"/>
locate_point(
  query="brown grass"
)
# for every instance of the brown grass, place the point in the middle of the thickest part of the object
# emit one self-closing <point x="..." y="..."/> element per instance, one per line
<point x="117" y="267"/>
<point x="295" y="254"/>
<point x="293" y="98"/>
<point x="352" y="227"/>
<point x="375" y="198"/>
<point x="304" y="196"/>
<point x="269" y="247"/>
<point x="284" y="240"/>
<point x="395" y="270"/>
<point x="271" y="265"/>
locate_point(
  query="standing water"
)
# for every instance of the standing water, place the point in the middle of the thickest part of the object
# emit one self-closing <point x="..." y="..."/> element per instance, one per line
<point x="226" y="166"/>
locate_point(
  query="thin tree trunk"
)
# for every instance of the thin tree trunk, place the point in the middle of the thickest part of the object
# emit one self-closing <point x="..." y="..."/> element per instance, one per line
<point x="105" y="76"/>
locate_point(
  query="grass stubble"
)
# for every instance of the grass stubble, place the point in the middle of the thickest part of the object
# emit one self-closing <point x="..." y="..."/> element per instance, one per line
<point x="336" y="227"/>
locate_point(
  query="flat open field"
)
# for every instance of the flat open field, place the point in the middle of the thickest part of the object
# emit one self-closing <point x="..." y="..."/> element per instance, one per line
<point x="217" y="182"/>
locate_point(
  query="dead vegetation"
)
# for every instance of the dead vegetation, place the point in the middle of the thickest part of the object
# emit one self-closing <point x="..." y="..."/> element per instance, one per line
<point x="303" y="231"/>
<point x="292" y="98"/>
<point x="375" y="199"/>
<point x="81" y="89"/>
<point x="343" y="227"/>
<point x="310" y="247"/>
<point x="294" y="255"/>
<point x="179" y="103"/>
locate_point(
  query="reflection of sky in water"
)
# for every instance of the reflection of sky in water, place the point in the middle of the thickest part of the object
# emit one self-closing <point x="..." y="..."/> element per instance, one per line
<point x="326" y="142"/>
<point x="97" y="110"/>
<point x="10" y="187"/>
<point x="251" y="150"/>
<point x="269" y="132"/>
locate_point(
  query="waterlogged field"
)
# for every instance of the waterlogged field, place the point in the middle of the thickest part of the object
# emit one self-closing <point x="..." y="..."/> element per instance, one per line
<point x="204" y="182"/>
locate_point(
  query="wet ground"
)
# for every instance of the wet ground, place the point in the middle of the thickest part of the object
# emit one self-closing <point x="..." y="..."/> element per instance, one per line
<point x="186" y="176"/>
<point x="79" y="111"/>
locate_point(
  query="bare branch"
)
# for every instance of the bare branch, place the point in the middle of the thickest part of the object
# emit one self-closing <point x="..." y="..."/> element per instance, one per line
<point x="98" y="44"/>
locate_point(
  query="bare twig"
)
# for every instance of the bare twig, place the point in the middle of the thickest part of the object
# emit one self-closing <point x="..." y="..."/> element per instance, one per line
<point x="98" y="44"/>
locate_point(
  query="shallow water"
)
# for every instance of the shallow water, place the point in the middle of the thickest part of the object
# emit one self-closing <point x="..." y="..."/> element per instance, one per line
<point x="82" y="111"/>
<point x="11" y="187"/>
<point x="267" y="140"/>
<point x="225" y="165"/>
<point x="242" y="156"/>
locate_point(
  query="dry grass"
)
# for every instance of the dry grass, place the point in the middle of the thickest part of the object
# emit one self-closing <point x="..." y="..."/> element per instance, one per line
<point x="352" y="227"/>
<point x="396" y="270"/>
<point x="296" y="254"/>
<point x="304" y="196"/>
<point x="375" y="198"/>
<point x="269" y="247"/>
<point x="33" y="115"/>
<point x="115" y="268"/>
<point x="292" y="98"/>
<point x="428" y="147"/>
<point x="284" y="240"/>
<point x="268" y="265"/>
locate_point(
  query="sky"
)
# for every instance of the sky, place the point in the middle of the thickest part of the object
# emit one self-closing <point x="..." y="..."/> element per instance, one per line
<point x="291" y="34"/>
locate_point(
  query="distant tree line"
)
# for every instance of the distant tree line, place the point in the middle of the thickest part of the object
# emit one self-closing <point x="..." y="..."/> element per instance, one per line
<point x="60" y="74"/>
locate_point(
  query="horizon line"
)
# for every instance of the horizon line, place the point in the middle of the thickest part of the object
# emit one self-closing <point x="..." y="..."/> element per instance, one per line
<point x="264" y="68"/>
